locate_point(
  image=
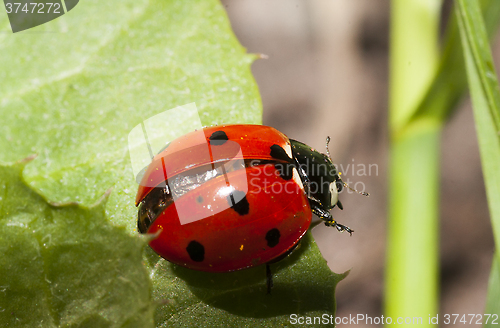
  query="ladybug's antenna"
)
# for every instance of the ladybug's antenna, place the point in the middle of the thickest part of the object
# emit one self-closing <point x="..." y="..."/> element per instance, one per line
<point x="352" y="189"/>
<point x="327" y="142"/>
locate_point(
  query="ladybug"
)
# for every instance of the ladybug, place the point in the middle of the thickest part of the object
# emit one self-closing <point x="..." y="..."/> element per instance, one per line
<point x="230" y="197"/>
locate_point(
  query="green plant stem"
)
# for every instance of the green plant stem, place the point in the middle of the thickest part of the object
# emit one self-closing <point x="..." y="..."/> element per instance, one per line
<point x="412" y="259"/>
<point x="412" y="263"/>
<point x="414" y="56"/>
<point x="418" y="110"/>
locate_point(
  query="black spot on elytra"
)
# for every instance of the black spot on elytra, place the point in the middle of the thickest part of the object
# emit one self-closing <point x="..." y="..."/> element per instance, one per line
<point x="218" y="138"/>
<point x="199" y="199"/>
<point x="238" y="201"/>
<point x="196" y="251"/>
<point x="279" y="153"/>
<point x="284" y="170"/>
<point x="273" y="237"/>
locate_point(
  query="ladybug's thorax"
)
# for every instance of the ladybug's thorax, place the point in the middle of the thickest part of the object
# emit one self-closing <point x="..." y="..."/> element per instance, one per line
<point x="318" y="172"/>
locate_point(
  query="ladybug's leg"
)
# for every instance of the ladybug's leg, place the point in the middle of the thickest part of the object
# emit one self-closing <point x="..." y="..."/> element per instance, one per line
<point x="327" y="217"/>
<point x="269" y="275"/>
<point x="340" y="227"/>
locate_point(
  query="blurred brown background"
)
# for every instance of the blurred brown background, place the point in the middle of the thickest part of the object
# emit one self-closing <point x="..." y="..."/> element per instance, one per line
<point x="326" y="74"/>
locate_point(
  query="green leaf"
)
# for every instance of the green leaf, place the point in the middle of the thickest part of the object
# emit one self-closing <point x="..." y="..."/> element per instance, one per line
<point x="66" y="265"/>
<point x="71" y="90"/>
<point x="493" y="301"/>
<point x="450" y="82"/>
<point x="485" y="93"/>
<point x="105" y="69"/>
<point x="303" y="285"/>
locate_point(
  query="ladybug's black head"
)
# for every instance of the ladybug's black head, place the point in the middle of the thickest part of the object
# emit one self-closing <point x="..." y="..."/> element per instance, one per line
<point x="319" y="175"/>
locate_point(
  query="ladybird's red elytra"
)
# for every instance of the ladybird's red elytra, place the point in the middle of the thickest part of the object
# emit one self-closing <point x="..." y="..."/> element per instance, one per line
<point x="231" y="197"/>
<point x="253" y="141"/>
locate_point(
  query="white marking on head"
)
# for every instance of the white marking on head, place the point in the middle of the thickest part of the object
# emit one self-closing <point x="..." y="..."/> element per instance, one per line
<point x="334" y="194"/>
<point x="288" y="150"/>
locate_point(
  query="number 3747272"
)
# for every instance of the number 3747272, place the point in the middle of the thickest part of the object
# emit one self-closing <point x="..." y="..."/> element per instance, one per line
<point x="33" y="8"/>
<point x="470" y="319"/>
